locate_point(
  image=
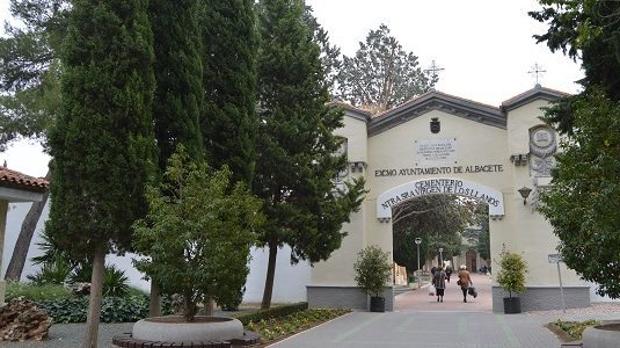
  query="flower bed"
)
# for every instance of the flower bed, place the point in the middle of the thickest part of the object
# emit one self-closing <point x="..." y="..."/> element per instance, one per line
<point x="275" y="329"/>
<point x="570" y="330"/>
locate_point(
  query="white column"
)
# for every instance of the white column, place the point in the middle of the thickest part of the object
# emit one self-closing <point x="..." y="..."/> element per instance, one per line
<point x="3" y="211"/>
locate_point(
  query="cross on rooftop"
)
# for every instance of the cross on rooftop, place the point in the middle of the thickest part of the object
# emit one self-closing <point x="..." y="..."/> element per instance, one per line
<point x="434" y="69"/>
<point x="538" y="71"/>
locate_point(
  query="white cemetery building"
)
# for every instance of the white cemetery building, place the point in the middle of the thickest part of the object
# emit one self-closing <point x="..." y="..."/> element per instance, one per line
<point x="443" y="144"/>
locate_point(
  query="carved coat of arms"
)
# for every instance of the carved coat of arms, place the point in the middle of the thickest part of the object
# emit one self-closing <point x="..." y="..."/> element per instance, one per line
<point x="542" y="148"/>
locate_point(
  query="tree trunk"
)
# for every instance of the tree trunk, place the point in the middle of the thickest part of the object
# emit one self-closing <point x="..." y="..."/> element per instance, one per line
<point x="155" y="303"/>
<point x="29" y="225"/>
<point x="209" y="307"/>
<point x="271" y="271"/>
<point x="94" y="303"/>
<point x="189" y="307"/>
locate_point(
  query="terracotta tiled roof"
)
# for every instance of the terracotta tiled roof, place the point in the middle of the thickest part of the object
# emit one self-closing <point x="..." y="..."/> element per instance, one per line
<point x="14" y="179"/>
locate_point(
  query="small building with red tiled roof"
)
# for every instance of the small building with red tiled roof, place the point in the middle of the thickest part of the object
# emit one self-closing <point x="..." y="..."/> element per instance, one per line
<point x="16" y="187"/>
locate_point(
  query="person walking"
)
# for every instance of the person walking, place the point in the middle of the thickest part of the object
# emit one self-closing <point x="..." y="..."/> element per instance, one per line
<point x="464" y="281"/>
<point x="448" y="272"/>
<point x="439" y="282"/>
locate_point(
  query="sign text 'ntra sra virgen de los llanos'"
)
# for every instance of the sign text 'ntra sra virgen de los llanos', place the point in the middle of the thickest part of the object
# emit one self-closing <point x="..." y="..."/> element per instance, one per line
<point x="440" y="186"/>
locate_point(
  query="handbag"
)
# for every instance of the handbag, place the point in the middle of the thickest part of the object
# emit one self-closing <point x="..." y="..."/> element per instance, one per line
<point x="472" y="291"/>
<point x="458" y="282"/>
<point x="431" y="290"/>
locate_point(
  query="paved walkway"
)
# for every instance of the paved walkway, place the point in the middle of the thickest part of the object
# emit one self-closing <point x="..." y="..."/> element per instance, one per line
<point x="426" y="329"/>
<point x="419" y="321"/>
<point x="452" y="301"/>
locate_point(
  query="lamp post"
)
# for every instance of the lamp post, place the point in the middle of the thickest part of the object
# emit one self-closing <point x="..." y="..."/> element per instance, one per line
<point x="440" y="257"/>
<point x="418" y="241"/>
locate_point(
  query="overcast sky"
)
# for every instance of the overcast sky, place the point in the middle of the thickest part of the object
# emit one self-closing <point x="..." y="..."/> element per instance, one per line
<point x="485" y="46"/>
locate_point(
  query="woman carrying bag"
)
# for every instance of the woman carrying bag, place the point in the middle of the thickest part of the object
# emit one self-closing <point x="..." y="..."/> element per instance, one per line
<point x="464" y="281"/>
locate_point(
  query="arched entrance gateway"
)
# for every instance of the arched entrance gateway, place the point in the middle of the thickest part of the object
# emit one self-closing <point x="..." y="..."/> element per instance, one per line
<point x="442" y="144"/>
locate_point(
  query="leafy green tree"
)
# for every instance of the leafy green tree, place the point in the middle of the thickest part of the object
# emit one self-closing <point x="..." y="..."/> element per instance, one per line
<point x="102" y="142"/>
<point x="583" y="204"/>
<point x="178" y="74"/>
<point x="198" y="233"/>
<point x="229" y="123"/>
<point x="30" y="91"/>
<point x="589" y="31"/>
<point x="382" y="74"/>
<point x="296" y="146"/>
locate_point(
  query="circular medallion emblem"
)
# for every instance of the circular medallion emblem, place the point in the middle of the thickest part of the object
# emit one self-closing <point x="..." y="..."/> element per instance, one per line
<point x="542" y="141"/>
<point x="542" y="137"/>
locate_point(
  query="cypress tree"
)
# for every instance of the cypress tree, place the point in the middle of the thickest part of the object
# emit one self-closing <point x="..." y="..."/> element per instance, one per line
<point x="178" y="95"/>
<point x="229" y="122"/>
<point x="296" y="161"/>
<point x="102" y="142"/>
<point x="178" y="73"/>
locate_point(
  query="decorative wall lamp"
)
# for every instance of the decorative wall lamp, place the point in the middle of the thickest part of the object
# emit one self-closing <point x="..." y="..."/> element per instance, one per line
<point x="358" y="166"/>
<point x="525" y="192"/>
<point x="519" y="159"/>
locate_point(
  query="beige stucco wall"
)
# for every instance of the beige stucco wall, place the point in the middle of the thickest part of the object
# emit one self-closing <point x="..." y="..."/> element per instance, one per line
<point x="521" y="229"/>
<point x="533" y="235"/>
<point x="338" y="270"/>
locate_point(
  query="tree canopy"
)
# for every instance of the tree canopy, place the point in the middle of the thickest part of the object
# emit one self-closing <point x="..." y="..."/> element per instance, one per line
<point x="30" y="69"/>
<point x="583" y="203"/>
<point x="437" y="219"/>
<point x="229" y="123"/>
<point x="102" y="141"/>
<point x="296" y="143"/>
<point x="178" y="73"/>
<point x="198" y="233"/>
<point x="382" y="74"/>
<point x="589" y="31"/>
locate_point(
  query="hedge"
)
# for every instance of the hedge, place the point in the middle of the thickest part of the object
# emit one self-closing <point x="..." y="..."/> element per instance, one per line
<point x="113" y="309"/>
<point x="35" y="292"/>
<point x="272" y="313"/>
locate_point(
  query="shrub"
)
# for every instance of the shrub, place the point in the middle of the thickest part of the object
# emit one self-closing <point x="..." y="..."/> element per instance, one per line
<point x="511" y="277"/>
<point x="54" y="271"/>
<point x="372" y="270"/>
<point x="276" y="328"/>
<point x="575" y="329"/>
<point x="113" y="309"/>
<point x="272" y="313"/>
<point x="35" y="292"/>
<point x="115" y="282"/>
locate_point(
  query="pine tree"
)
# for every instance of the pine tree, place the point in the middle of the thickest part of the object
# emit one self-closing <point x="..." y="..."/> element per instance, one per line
<point x="382" y="74"/>
<point x="229" y="122"/>
<point x="296" y="160"/>
<point x="178" y="73"/>
<point x="30" y="92"/>
<point x="102" y="141"/>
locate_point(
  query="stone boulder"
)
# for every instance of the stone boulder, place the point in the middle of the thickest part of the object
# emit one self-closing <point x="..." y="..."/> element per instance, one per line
<point x="22" y="320"/>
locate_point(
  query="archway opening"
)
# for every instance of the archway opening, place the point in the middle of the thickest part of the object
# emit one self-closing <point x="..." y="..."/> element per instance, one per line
<point x="440" y="230"/>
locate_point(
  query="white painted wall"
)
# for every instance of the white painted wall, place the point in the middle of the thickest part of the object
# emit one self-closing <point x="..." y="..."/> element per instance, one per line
<point x="290" y="282"/>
